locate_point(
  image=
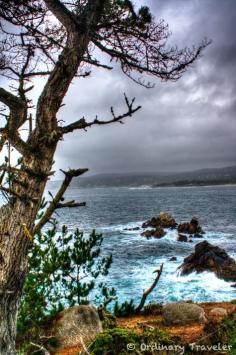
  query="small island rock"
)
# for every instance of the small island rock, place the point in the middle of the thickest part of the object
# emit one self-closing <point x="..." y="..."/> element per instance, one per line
<point x="208" y="257"/>
<point x="192" y="227"/>
<point x="164" y="220"/>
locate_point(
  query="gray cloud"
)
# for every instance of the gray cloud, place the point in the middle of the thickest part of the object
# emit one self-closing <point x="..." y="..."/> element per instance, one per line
<point x="184" y="125"/>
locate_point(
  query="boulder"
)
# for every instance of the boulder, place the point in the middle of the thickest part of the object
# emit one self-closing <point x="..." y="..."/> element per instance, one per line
<point x="183" y="313"/>
<point x="208" y="257"/>
<point x="192" y="227"/>
<point x="156" y="233"/>
<point x="217" y="314"/>
<point x="182" y="238"/>
<point x="164" y="220"/>
<point x="173" y="258"/>
<point x="76" y="323"/>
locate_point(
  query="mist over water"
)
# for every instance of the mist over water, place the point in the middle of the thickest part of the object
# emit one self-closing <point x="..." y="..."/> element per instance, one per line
<point x="111" y="210"/>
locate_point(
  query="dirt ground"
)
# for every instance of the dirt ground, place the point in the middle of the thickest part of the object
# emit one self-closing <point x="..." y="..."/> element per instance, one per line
<point x="187" y="334"/>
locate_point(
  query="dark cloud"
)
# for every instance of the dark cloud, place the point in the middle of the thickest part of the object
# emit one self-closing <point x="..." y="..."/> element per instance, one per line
<point x="184" y="125"/>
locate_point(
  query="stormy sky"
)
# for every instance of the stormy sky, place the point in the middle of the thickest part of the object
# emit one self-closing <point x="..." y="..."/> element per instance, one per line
<point x="183" y="125"/>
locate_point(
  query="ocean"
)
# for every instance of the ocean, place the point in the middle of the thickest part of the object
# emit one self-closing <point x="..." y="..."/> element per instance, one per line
<point x="111" y="210"/>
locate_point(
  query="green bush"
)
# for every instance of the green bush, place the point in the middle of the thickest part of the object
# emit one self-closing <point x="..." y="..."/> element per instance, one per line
<point x="232" y="343"/>
<point x="117" y="341"/>
<point x="63" y="269"/>
<point x="113" y="342"/>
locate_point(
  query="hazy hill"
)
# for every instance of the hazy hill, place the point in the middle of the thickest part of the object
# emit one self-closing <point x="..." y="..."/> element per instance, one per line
<point x="198" y="177"/>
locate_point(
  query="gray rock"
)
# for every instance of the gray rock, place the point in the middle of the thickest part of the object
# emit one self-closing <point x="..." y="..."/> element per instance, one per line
<point x="218" y="313"/>
<point x="183" y="313"/>
<point x="76" y="323"/>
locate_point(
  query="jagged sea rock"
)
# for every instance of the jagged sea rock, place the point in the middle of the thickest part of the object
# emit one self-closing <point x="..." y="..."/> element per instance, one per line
<point x="173" y="258"/>
<point x="182" y="238"/>
<point x="167" y="221"/>
<point x="155" y="233"/>
<point x="164" y="220"/>
<point x="208" y="257"/>
<point x="192" y="227"/>
<point x="183" y="313"/>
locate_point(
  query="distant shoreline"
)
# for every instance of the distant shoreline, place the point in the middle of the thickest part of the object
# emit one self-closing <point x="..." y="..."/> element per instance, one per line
<point x="149" y="187"/>
<point x="194" y="184"/>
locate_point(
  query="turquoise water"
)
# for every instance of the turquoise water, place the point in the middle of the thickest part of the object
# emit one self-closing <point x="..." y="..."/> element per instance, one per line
<point x="111" y="210"/>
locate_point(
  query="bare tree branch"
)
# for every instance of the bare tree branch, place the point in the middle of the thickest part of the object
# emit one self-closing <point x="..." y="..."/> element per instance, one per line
<point x="83" y="124"/>
<point x="149" y="290"/>
<point x="69" y="175"/>
<point x="13" y="102"/>
<point x="61" y="12"/>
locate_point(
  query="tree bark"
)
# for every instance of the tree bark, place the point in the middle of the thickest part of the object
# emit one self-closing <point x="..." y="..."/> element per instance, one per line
<point x="8" y="317"/>
<point x="14" y="243"/>
<point x="38" y="153"/>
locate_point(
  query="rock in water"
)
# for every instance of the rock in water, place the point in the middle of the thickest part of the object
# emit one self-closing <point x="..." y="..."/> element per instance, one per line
<point x="182" y="238"/>
<point x="132" y="229"/>
<point x="167" y="221"/>
<point x="183" y="313"/>
<point x="164" y="220"/>
<point x="155" y="233"/>
<point x="75" y="323"/>
<point x="192" y="227"/>
<point x="208" y="257"/>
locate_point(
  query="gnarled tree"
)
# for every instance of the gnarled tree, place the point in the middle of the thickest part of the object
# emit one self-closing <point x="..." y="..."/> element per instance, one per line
<point x="60" y="41"/>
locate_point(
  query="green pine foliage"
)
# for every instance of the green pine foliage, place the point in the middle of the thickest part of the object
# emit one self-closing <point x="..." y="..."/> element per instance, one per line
<point x="124" y="309"/>
<point x="63" y="270"/>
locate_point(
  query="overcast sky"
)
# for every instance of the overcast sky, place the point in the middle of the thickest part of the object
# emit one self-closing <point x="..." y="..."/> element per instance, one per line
<point x="185" y="125"/>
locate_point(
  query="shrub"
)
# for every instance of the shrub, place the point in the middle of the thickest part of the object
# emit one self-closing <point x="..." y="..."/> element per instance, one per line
<point x="63" y="269"/>
<point x="113" y="342"/>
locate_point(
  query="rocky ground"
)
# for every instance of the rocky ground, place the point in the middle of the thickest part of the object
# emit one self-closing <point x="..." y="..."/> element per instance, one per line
<point x="193" y="332"/>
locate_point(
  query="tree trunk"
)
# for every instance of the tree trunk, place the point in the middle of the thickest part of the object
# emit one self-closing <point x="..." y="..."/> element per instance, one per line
<point x="37" y="155"/>
<point x="14" y="243"/>
<point x="8" y="317"/>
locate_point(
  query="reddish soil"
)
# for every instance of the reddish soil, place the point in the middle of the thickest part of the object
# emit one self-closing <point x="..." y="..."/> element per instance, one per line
<point x="188" y="334"/>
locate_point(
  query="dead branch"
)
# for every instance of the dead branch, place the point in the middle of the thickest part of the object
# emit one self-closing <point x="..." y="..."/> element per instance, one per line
<point x="70" y="204"/>
<point x="149" y="290"/>
<point x="83" y="124"/>
<point x="69" y="175"/>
